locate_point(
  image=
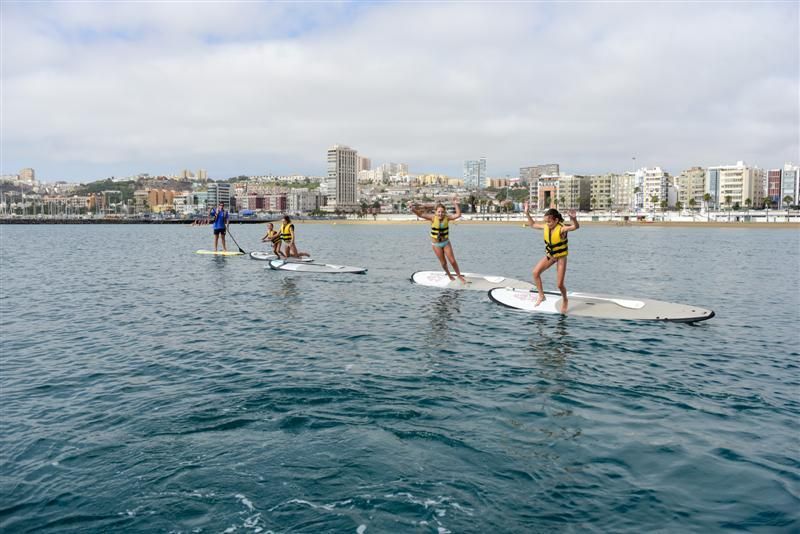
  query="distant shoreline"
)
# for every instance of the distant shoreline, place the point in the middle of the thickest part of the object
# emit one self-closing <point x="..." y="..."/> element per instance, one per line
<point x="407" y="220"/>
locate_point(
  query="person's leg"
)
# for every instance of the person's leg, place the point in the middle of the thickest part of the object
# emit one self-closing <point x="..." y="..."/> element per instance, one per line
<point x="448" y="251"/>
<point x="440" y="256"/>
<point x="541" y="267"/>
<point x="224" y="246"/>
<point x="561" y="271"/>
<point x="216" y="240"/>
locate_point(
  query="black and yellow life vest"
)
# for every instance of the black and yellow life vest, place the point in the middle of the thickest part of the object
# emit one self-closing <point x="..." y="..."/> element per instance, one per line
<point x="555" y="245"/>
<point x="286" y="232"/>
<point x="274" y="236"/>
<point x="440" y="230"/>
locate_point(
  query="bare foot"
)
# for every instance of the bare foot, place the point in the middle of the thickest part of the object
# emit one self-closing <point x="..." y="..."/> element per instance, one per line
<point x="539" y="300"/>
<point x="564" y="304"/>
<point x="450" y="276"/>
<point x="461" y="277"/>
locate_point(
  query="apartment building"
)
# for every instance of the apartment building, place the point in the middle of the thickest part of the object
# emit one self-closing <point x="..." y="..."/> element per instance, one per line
<point x="733" y="185"/>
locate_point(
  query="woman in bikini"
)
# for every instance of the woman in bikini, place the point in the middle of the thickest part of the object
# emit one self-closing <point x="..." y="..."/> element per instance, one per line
<point x="440" y="235"/>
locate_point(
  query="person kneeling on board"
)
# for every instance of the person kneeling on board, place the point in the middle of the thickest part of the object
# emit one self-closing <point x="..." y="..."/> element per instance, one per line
<point x="440" y="235"/>
<point x="220" y="218"/>
<point x="556" y="249"/>
<point x="274" y="237"/>
<point x="288" y="238"/>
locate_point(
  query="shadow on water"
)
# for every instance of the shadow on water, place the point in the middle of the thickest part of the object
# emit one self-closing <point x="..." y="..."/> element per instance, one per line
<point x="441" y="313"/>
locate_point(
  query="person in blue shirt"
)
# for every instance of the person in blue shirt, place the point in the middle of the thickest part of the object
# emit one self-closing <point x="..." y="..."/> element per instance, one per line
<point x="220" y="218"/>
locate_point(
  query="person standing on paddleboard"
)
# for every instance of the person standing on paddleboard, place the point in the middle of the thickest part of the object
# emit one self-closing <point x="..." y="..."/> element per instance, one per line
<point x="220" y="218"/>
<point x="440" y="235"/>
<point x="274" y="237"/>
<point x="556" y="250"/>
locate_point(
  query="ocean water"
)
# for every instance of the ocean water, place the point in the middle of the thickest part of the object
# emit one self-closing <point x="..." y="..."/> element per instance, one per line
<point x="144" y="388"/>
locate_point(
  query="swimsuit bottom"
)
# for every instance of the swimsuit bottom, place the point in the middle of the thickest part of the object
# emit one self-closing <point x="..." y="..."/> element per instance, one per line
<point x="441" y="244"/>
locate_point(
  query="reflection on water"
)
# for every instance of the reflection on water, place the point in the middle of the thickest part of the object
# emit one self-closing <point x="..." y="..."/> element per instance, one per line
<point x="551" y="344"/>
<point x="440" y="314"/>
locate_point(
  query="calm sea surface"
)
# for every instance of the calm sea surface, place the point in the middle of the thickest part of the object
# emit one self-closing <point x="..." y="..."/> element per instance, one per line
<point x="145" y="388"/>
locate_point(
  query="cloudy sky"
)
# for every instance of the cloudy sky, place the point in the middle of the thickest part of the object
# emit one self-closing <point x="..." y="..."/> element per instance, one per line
<point x="98" y="89"/>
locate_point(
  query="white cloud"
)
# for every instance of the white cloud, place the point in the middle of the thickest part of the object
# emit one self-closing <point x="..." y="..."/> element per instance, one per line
<point x="243" y="88"/>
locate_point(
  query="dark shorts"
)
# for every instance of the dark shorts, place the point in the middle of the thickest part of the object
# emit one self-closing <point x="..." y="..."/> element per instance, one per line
<point x="220" y="231"/>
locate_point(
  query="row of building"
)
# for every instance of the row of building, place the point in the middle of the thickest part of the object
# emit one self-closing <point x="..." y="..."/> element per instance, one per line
<point x="350" y="181"/>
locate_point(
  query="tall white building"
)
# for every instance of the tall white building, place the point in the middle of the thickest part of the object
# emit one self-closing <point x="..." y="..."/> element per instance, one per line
<point x="342" y="168"/>
<point x="475" y="173"/>
<point x="653" y="184"/>
<point x="740" y="183"/>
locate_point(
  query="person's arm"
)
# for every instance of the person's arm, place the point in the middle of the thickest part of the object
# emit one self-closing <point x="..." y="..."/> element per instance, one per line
<point x="420" y="214"/>
<point x="457" y="214"/>
<point x="534" y="224"/>
<point x="573" y="223"/>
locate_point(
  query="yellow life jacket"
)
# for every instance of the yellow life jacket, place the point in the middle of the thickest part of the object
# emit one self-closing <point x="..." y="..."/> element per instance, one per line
<point x="287" y="230"/>
<point x="555" y="245"/>
<point x="274" y="236"/>
<point x="440" y="230"/>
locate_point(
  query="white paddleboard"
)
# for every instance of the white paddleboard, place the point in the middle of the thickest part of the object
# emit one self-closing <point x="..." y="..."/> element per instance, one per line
<point x="475" y="282"/>
<point x="601" y="306"/>
<point x="283" y="265"/>
<point x="267" y="256"/>
<point x="220" y="252"/>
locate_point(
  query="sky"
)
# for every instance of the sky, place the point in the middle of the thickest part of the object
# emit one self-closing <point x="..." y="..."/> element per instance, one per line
<point x="91" y="90"/>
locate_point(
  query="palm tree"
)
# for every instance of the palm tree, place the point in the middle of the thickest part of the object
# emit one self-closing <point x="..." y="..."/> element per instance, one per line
<point x="654" y="201"/>
<point x="767" y="203"/>
<point x="748" y="203"/>
<point x="788" y="201"/>
<point x="692" y="203"/>
<point x="679" y="206"/>
<point x="707" y="200"/>
<point x="593" y="203"/>
<point x="563" y="201"/>
<point x="728" y="200"/>
<point x="472" y="201"/>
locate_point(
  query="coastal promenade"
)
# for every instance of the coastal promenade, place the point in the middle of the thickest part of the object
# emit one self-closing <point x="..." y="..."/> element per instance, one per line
<point x="752" y="219"/>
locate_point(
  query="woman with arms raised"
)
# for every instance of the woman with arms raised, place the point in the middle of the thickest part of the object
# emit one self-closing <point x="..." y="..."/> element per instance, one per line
<point x="440" y="235"/>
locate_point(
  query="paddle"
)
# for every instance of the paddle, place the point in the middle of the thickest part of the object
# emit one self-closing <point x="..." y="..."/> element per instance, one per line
<point x="234" y="240"/>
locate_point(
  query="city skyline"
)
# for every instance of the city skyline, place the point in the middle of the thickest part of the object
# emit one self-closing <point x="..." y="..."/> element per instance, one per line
<point x="98" y="90"/>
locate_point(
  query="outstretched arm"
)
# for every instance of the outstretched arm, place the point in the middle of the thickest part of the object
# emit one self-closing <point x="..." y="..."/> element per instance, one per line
<point x="534" y="224"/>
<point x="457" y="214"/>
<point x="419" y="213"/>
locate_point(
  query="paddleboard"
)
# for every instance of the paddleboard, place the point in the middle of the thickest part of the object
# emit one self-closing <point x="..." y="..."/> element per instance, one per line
<point x="475" y="282"/>
<point x="267" y="256"/>
<point x="220" y="252"/>
<point x="282" y="265"/>
<point x="601" y="306"/>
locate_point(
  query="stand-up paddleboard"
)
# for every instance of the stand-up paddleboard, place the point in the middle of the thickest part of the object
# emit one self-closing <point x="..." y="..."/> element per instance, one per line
<point x="282" y="265"/>
<point x="601" y="306"/>
<point x="475" y="282"/>
<point x="220" y="252"/>
<point x="267" y="256"/>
